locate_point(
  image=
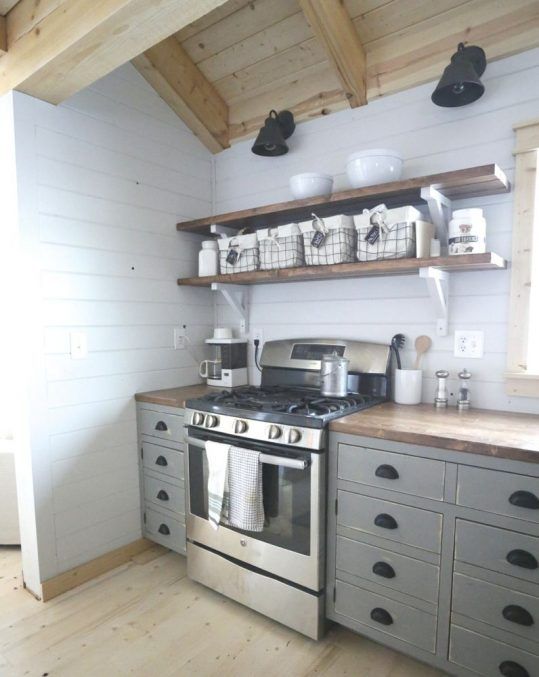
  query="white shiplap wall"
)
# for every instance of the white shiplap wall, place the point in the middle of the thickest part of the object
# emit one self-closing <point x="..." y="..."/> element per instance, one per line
<point x="431" y="139"/>
<point x="103" y="179"/>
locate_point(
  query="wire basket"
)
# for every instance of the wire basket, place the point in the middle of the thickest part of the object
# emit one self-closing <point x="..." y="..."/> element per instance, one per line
<point x="329" y="241"/>
<point x="386" y="233"/>
<point x="239" y="254"/>
<point x="281" y="247"/>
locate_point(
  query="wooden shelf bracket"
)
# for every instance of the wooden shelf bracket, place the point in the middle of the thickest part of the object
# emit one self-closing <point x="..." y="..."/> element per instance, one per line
<point x="236" y="297"/>
<point x="438" y="287"/>
<point x="439" y="209"/>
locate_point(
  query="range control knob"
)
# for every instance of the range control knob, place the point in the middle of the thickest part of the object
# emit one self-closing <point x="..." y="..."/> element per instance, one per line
<point x="212" y="421"/>
<point x="240" y="427"/>
<point x="198" y="418"/>
<point x="294" y="436"/>
<point x="274" y="432"/>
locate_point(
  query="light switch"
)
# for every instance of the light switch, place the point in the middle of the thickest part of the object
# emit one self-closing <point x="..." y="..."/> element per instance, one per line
<point x="78" y="345"/>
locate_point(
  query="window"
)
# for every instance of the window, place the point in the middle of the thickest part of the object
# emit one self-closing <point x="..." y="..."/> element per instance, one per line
<point x="523" y="334"/>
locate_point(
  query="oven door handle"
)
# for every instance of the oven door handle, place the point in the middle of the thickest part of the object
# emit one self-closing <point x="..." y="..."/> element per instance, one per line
<point x="296" y="463"/>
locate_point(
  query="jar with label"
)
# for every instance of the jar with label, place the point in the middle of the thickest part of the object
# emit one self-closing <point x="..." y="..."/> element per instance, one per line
<point x="467" y="232"/>
<point x="208" y="259"/>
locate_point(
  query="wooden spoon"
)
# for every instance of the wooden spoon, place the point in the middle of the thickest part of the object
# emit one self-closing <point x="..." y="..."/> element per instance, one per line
<point x="422" y="344"/>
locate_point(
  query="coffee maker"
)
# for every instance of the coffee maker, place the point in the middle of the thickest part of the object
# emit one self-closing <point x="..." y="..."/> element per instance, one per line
<point x="227" y="367"/>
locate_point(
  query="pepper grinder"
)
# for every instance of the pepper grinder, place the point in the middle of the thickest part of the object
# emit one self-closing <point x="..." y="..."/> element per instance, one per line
<point x="463" y="401"/>
<point x="441" y="399"/>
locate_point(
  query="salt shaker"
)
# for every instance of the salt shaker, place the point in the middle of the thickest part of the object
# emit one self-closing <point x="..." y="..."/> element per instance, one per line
<point x="463" y="401"/>
<point x="441" y="399"/>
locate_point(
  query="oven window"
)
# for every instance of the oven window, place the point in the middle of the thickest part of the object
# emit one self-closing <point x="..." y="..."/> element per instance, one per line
<point x="287" y="502"/>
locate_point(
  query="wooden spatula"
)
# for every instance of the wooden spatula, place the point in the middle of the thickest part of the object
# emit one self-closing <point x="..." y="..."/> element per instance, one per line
<point x="422" y="344"/>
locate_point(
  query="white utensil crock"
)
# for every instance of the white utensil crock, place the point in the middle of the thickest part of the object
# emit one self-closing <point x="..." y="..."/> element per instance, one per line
<point x="408" y="383"/>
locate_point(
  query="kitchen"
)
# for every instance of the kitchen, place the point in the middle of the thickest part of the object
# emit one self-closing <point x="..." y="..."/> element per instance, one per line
<point x="102" y="180"/>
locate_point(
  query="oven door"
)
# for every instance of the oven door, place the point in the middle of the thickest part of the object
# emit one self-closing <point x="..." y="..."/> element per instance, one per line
<point x="291" y="545"/>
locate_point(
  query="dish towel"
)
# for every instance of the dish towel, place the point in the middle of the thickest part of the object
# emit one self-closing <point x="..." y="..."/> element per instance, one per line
<point x="246" y="506"/>
<point x="217" y="455"/>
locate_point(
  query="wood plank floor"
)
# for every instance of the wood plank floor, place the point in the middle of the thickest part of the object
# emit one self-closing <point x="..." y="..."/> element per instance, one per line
<point x="147" y="618"/>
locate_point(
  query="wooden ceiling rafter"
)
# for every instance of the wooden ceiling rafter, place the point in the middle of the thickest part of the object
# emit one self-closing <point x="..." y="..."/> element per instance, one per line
<point x="333" y="27"/>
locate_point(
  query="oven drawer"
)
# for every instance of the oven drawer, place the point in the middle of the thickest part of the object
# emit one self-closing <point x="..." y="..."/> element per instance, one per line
<point x="159" y="424"/>
<point x="500" y="492"/>
<point x="165" y="530"/>
<point x="165" y="495"/>
<point x="402" y="523"/>
<point x="497" y="549"/>
<point x="488" y="657"/>
<point x="408" y="474"/>
<point x="398" y="572"/>
<point x="392" y="618"/>
<point x="163" y="460"/>
<point x="502" y="607"/>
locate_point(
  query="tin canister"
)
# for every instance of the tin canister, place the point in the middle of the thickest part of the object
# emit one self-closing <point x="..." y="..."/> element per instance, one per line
<point x="334" y="376"/>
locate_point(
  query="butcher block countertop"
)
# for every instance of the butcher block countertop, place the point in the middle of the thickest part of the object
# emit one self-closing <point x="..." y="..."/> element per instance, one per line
<point x="175" y="397"/>
<point x="478" y="431"/>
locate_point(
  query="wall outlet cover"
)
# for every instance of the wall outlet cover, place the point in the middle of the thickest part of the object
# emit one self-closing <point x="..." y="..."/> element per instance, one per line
<point x="180" y="337"/>
<point x="469" y="344"/>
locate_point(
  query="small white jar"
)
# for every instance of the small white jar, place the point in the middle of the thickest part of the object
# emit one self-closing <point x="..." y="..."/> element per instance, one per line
<point x="467" y="232"/>
<point x="208" y="259"/>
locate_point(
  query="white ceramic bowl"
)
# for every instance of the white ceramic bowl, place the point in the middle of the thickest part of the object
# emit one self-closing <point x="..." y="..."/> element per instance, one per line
<point x="370" y="167"/>
<point x="310" y="184"/>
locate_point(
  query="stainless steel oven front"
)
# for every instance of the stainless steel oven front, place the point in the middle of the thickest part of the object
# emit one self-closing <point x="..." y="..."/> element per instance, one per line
<point x="291" y="545"/>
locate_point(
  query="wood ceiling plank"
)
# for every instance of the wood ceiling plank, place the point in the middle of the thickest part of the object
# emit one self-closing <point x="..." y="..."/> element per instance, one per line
<point x="26" y="15"/>
<point x="3" y="35"/>
<point x="170" y="71"/>
<point x="333" y="27"/>
<point x="83" y="40"/>
<point x="6" y="6"/>
<point x="210" y="19"/>
<point x="255" y="17"/>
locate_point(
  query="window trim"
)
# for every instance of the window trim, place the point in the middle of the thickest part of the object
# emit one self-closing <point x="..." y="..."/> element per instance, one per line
<point x="519" y="381"/>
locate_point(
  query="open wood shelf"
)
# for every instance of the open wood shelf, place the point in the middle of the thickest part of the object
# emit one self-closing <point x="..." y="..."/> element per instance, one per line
<point x="466" y="262"/>
<point x="456" y="185"/>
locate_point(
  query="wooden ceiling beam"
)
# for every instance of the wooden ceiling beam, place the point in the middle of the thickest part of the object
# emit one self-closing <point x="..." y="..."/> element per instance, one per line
<point x="80" y="41"/>
<point x="172" y="73"/>
<point x="335" y="30"/>
<point x="3" y="35"/>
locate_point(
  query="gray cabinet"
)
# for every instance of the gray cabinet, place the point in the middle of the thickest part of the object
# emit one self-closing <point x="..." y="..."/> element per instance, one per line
<point x="436" y="553"/>
<point x="162" y="474"/>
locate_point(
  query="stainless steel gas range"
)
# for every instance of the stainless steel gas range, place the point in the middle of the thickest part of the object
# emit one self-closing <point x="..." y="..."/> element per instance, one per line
<point x="279" y="571"/>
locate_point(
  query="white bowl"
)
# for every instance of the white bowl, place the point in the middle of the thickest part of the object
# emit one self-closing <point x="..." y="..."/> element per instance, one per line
<point x="310" y="184"/>
<point x="370" y="167"/>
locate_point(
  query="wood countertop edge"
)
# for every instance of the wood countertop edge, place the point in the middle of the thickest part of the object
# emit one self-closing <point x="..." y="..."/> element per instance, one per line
<point x="439" y="442"/>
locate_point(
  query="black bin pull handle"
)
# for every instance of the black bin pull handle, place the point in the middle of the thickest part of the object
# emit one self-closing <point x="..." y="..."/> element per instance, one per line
<point x="383" y="569"/>
<point x="388" y="472"/>
<point x="512" y="669"/>
<point x="517" y="614"/>
<point x="162" y="495"/>
<point x="161" y="426"/>
<point x="522" y="558"/>
<point x="381" y="616"/>
<point x="385" y="521"/>
<point x="163" y="529"/>
<point x="524" y="499"/>
<point x="161" y="460"/>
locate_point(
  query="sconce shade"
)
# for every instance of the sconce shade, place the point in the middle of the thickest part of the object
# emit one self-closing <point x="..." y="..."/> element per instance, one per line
<point x="460" y="83"/>
<point x="271" y="137"/>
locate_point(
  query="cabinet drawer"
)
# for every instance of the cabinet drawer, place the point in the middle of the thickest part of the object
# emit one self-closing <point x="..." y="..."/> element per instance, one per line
<point x="165" y="495"/>
<point x="163" y="460"/>
<point x="500" y="492"/>
<point x="159" y="424"/>
<point x="493" y="604"/>
<point x="489" y="657"/>
<point x="164" y="530"/>
<point x="497" y="549"/>
<point x="409" y="474"/>
<point x="412" y="526"/>
<point x="398" y="572"/>
<point x="404" y="622"/>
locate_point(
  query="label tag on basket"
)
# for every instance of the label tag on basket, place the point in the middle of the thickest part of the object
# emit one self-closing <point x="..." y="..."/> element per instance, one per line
<point x="232" y="256"/>
<point x="373" y="235"/>
<point x="320" y="232"/>
<point x="318" y="239"/>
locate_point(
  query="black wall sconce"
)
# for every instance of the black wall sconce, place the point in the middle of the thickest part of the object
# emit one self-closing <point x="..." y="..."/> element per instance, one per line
<point x="271" y="137"/>
<point x="460" y="83"/>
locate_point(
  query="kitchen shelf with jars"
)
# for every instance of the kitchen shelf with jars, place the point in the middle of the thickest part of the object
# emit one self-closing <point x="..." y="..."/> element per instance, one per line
<point x="364" y="232"/>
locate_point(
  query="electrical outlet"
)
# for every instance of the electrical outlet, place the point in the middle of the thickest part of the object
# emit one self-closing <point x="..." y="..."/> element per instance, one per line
<point x="180" y="337"/>
<point x="257" y="334"/>
<point x="469" y="344"/>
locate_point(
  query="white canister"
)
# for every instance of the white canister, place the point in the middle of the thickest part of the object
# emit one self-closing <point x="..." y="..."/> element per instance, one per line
<point x="467" y="232"/>
<point x="408" y="385"/>
<point x="208" y="259"/>
<point x="424" y="232"/>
